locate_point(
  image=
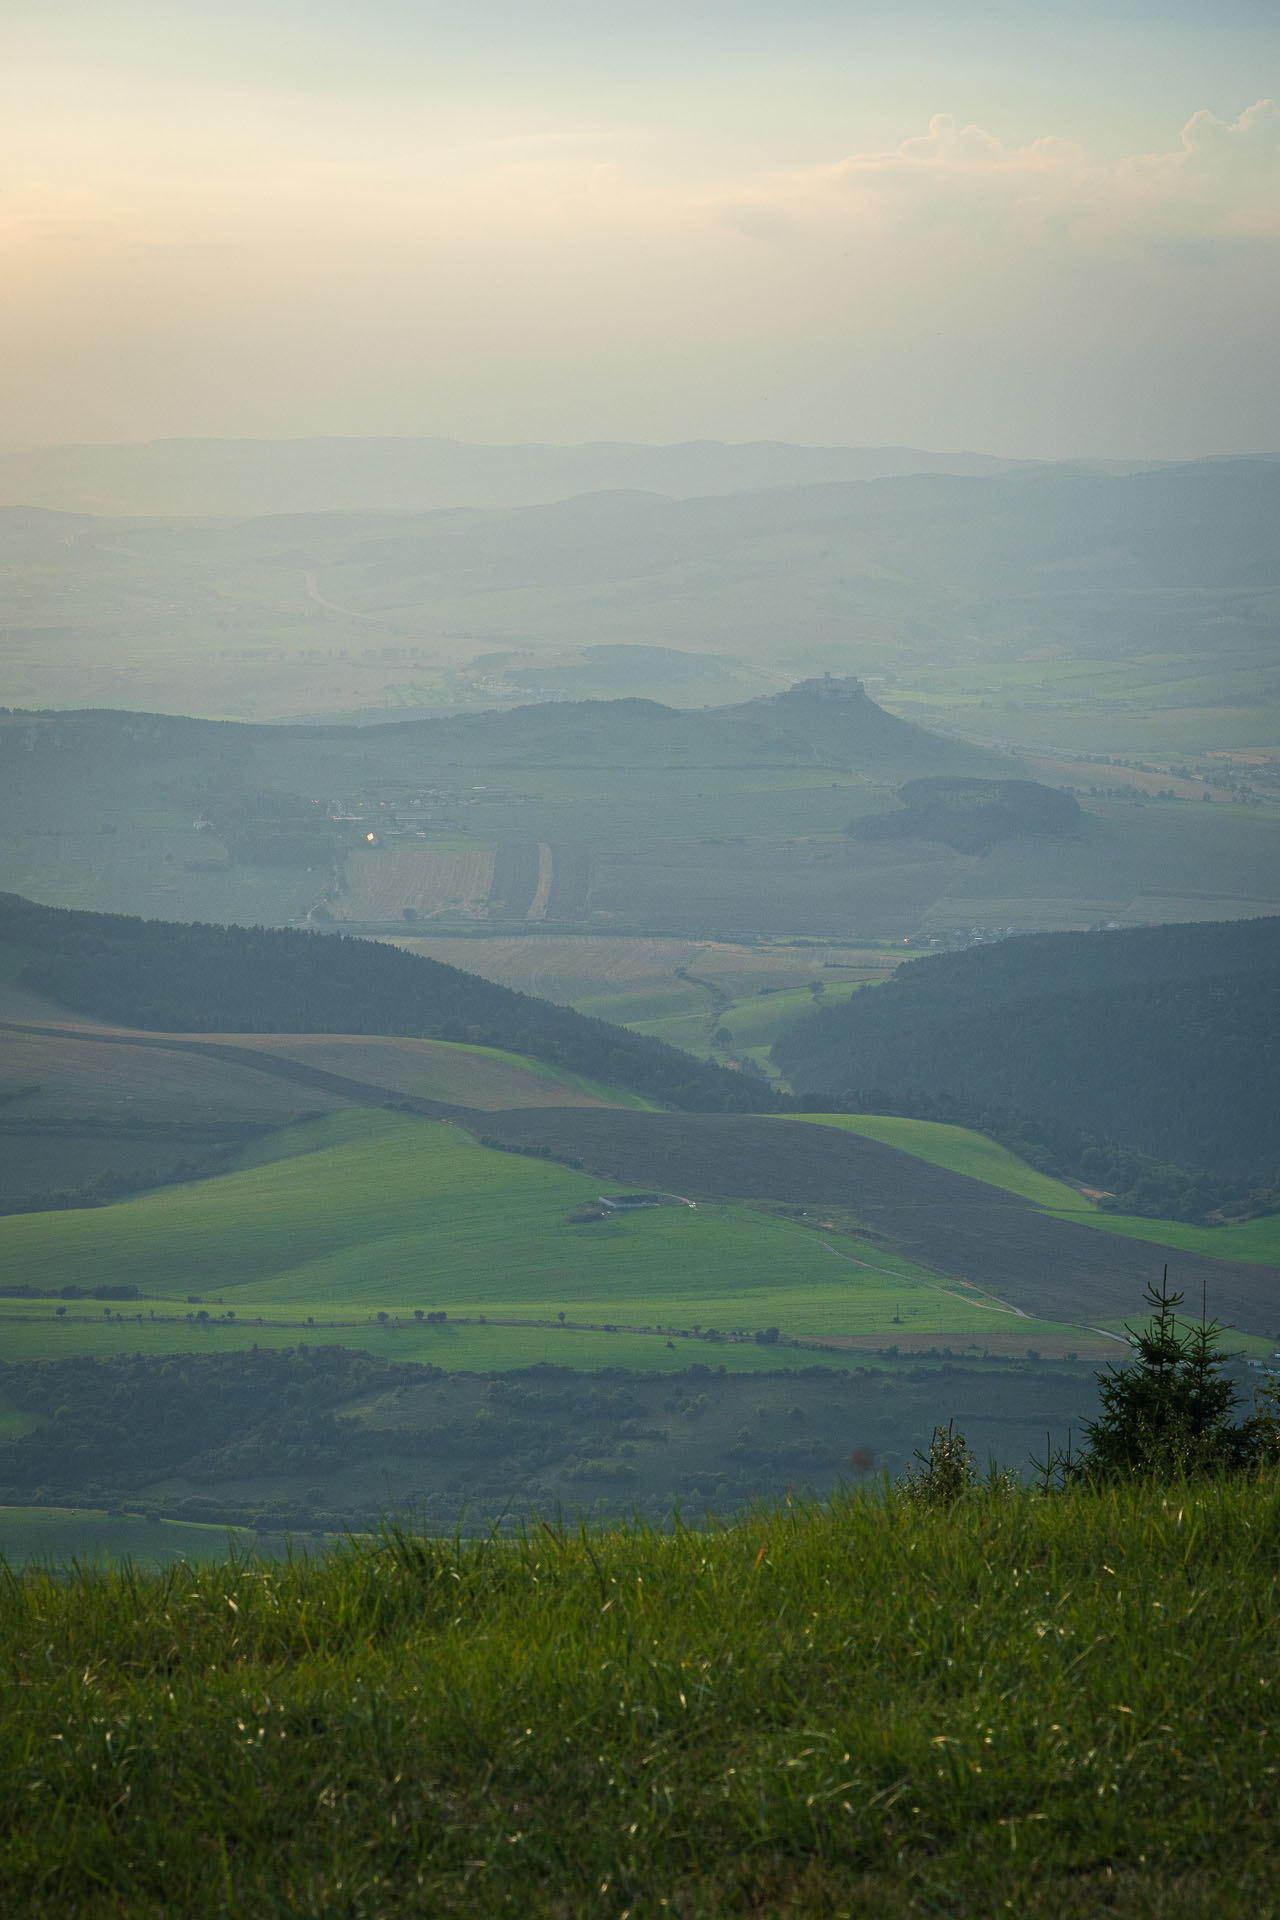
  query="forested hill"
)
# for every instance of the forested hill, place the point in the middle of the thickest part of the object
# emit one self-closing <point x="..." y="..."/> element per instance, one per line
<point x="1166" y="1039"/>
<point x="176" y="978"/>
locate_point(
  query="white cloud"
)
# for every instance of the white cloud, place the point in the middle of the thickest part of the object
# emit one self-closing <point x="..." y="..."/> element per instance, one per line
<point x="1222" y="179"/>
<point x="331" y="272"/>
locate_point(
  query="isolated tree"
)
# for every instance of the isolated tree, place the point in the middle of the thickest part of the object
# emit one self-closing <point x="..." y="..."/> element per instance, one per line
<point x="1170" y="1411"/>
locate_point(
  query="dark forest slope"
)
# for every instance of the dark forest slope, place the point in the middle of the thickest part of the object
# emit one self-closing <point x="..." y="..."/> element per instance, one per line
<point x="204" y="979"/>
<point x="1164" y="1038"/>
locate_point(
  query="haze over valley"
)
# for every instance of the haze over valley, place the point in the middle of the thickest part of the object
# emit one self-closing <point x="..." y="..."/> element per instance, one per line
<point x="639" y="959"/>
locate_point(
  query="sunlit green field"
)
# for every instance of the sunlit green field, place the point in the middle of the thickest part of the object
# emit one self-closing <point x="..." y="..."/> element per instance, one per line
<point x="1255" y="1240"/>
<point x="759" y="1018"/>
<point x="963" y="1151"/>
<point x="14" y="1422"/>
<point x="687" y="1018"/>
<point x="341" y="1230"/>
<point x="379" y="1213"/>
<point x="474" y="1348"/>
<point x="60" y="1535"/>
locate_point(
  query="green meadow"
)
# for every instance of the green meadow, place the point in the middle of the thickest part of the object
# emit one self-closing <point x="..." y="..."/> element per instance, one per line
<point x="324" y="1227"/>
<point x="14" y="1422"/>
<point x="59" y="1536"/>
<point x="373" y="1212"/>
<point x="962" y="1151"/>
<point x="685" y="1016"/>
<point x="459" y="1347"/>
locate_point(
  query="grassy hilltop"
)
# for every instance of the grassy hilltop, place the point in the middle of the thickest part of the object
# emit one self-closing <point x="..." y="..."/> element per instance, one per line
<point x="1044" y="1707"/>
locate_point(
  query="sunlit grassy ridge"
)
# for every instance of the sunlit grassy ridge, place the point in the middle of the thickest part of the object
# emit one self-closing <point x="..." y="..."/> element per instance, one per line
<point x="1044" y="1707"/>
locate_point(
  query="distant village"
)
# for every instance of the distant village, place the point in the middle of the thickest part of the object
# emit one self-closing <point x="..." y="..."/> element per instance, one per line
<point x="416" y="814"/>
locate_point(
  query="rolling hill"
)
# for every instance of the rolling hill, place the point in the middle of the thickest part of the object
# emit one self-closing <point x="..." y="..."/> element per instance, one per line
<point x="744" y="822"/>
<point x="203" y="979"/>
<point x="1166" y="1039"/>
<point x="569" y="813"/>
<point x="1064" y="608"/>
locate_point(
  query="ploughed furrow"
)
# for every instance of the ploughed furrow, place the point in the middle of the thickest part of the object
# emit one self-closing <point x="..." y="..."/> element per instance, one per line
<point x="946" y="1221"/>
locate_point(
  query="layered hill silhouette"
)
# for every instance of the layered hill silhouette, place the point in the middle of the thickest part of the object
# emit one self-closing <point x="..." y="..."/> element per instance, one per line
<point x="828" y="721"/>
<point x="324" y="474"/>
<point x="409" y="585"/>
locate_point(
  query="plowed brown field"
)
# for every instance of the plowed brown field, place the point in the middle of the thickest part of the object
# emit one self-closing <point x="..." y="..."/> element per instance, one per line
<point x="831" y="889"/>
<point x="100" y="1076"/>
<point x="568" y="967"/>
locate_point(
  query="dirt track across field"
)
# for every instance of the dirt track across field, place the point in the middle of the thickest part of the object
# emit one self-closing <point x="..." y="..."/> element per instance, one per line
<point x="946" y="1221"/>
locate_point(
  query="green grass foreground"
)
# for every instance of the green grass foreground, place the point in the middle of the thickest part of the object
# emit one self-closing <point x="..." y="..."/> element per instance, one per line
<point x="1029" y="1706"/>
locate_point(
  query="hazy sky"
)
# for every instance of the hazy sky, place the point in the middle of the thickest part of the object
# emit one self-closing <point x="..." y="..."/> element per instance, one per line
<point x="1027" y="227"/>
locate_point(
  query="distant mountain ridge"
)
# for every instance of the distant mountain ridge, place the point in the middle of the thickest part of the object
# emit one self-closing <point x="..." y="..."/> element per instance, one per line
<point x="246" y="477"/>
<point x="828" y="720"/>
<point x="295" y="609"/>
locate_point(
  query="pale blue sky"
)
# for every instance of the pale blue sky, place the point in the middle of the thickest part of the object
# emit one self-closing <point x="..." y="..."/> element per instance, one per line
<point x="689" y="217"/>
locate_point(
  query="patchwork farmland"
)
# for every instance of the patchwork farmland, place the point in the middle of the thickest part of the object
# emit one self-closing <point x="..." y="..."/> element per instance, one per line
<point x="943" y="1221"/>
<point x="674" y="989"/>
<point x="828" y="887"/>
